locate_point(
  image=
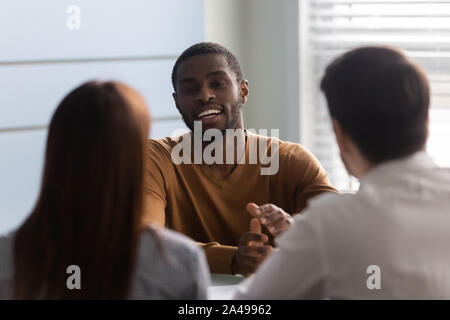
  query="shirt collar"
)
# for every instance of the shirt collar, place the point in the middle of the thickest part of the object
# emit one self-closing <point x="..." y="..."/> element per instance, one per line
<point x="416" y="162"/>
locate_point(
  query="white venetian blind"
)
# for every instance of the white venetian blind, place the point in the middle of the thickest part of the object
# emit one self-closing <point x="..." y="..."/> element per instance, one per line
<point x="328" y="28"/>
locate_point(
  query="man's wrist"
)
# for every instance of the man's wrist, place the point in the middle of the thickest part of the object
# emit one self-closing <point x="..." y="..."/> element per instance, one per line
<point x="234" y="265"/>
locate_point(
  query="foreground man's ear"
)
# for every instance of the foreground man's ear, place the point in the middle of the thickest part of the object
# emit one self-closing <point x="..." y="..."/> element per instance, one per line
<point x="341" y="136"/>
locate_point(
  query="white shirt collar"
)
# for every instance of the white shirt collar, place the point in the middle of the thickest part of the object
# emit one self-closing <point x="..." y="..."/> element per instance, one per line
<point x="416" y="162"/>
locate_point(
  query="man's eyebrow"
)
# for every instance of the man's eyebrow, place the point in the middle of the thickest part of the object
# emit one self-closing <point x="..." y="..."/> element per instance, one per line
<point x="211" y="74"/>
<point x="217" y="73"/>
<point x="185" y="80"/>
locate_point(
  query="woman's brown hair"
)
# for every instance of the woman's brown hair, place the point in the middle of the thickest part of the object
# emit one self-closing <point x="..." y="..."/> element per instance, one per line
<point x="89" y="208"/>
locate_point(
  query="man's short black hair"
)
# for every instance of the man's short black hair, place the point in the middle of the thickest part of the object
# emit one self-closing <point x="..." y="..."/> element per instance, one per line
<point x="207" y="48"/>
<point x="381" y="99"/>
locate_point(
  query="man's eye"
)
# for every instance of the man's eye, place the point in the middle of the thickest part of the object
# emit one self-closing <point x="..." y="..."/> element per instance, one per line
<point x="218" y="84"/>
<point x="188" y="90"/>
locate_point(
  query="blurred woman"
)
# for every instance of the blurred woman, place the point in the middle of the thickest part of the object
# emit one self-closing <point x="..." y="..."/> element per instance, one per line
<point x="88" y="214"/>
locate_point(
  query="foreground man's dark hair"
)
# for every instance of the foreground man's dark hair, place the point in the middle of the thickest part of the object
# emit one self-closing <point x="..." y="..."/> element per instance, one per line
<point x="381" y="99"/>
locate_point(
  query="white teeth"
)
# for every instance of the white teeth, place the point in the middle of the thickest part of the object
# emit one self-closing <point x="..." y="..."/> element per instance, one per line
<point x="208" y="112"/>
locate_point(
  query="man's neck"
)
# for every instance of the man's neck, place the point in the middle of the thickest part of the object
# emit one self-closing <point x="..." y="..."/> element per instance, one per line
<point x="233" y="149"/>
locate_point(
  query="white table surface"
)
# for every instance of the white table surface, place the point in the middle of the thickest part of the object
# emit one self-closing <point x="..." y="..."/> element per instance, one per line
<point x="223" y="286"/>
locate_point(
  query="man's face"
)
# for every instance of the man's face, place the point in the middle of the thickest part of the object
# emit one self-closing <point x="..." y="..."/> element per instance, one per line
<point x="207" y="91"/>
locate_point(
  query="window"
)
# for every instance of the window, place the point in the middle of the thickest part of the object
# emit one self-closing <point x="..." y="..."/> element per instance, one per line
<point x="328" y="28"/>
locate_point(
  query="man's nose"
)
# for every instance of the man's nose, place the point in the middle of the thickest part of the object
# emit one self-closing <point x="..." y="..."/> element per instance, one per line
<point x="205" y="94"/>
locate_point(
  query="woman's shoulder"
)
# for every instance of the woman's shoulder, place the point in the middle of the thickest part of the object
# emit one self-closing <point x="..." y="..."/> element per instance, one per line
<point x="167" y="249"/>
<point x="167" y="266"/>
<point x="6" y="264"/>
<point x="6" y="244"/>
<point x="168" y="241"/>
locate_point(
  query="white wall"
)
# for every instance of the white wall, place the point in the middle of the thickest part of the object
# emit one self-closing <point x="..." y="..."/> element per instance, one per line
<point x="135" y="41"/>
<point x="41" y="60"/>
<point x="264" y="36"/>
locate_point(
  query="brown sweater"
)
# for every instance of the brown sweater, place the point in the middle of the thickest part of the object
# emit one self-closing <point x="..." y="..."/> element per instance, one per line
<point x="192" y="199"/>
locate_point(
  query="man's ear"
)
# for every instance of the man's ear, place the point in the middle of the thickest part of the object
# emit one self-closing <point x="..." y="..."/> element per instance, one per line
<point x="243" y="91"/>
<point x="175" y="98"/>
<point x="342" y="137"/>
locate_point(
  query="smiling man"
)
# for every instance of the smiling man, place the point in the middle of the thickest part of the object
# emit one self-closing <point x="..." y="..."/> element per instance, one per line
<point x="214" y="203"/>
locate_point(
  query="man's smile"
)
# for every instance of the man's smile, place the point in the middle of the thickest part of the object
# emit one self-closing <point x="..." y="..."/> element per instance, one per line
<point x="209" y="114"/>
